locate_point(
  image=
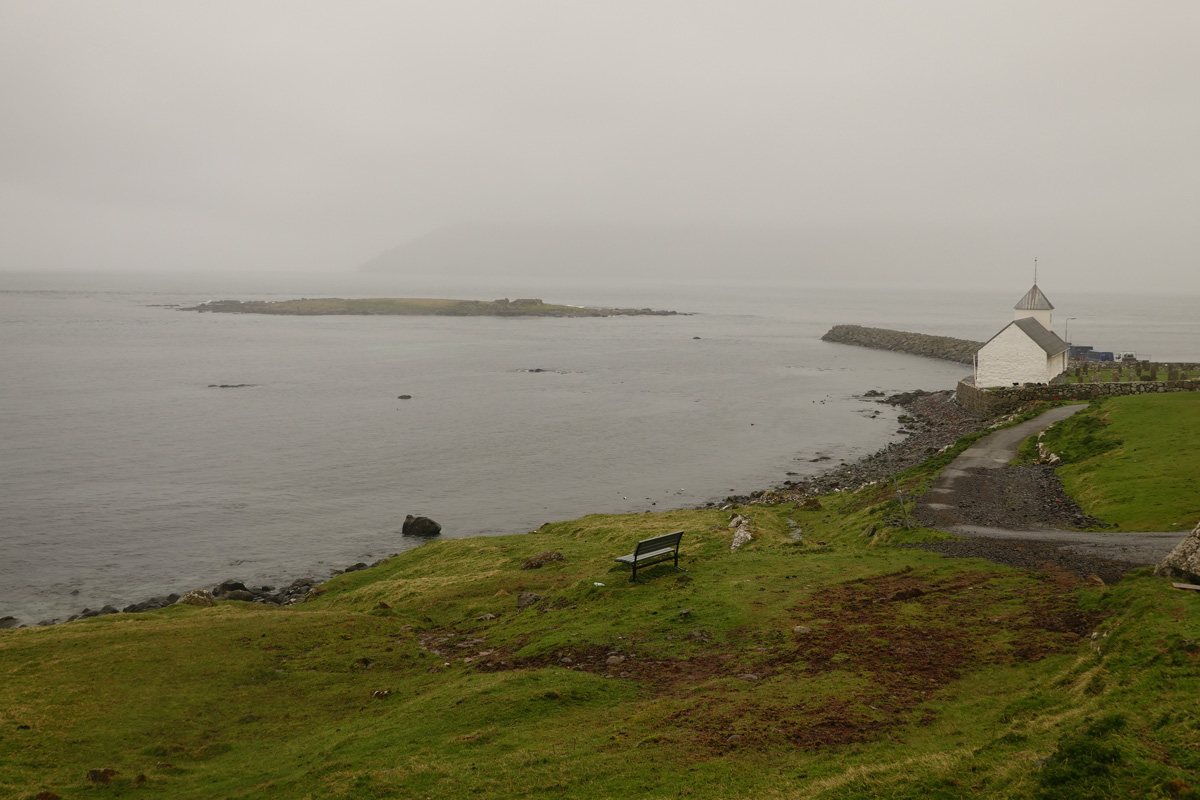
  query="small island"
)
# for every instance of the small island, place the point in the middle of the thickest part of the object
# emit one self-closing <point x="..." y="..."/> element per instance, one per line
<point x="405" y="306"/>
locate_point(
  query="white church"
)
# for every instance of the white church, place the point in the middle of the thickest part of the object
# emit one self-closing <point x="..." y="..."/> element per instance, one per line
<point x="1027" y="350"/>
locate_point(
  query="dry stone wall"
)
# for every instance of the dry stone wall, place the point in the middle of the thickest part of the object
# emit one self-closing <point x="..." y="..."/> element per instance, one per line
<point x="1091" y="371"/>
<point x="987" y="402"/>
<point x="917" y="344"/>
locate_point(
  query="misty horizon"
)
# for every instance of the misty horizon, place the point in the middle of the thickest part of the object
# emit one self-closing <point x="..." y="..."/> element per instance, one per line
<point x="935" y="144"/>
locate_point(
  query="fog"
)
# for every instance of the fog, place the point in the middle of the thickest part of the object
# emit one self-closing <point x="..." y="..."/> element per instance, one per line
<point x="921" y="143"/>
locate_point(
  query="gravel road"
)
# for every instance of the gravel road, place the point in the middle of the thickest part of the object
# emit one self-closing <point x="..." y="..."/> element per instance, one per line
<point x="1015" y="515"/>
<point x="979" y="495"/>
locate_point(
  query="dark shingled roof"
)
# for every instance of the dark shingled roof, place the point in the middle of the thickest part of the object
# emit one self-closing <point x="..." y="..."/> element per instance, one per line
<point x="1034" y="300"/>
<point x="1047" y="340"/>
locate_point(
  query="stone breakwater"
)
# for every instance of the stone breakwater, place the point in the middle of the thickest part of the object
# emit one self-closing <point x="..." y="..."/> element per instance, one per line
<point x="917" y="344"/>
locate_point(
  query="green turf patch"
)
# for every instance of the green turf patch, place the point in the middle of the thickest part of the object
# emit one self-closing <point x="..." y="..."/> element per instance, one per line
<point x="1134" y="461"/>
<point x="816" y="661"/>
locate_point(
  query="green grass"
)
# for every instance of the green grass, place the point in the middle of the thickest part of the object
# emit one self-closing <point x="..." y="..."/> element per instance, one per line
<point x="921" y="676"/>
<point x="1134" y="461"/>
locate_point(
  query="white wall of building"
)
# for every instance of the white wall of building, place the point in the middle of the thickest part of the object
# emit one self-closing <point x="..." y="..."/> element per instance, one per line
<point x="1012" y="357"/>
<point x="1044" y="315"/>
<point x="1056" y="365"/>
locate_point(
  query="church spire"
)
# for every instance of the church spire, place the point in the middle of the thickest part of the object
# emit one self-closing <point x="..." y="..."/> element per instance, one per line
<point x="1035" y="304"/>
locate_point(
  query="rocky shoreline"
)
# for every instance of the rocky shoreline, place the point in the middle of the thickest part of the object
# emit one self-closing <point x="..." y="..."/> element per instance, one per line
<point x="1015" y="496"/>
<point x="933" y="422"/>
<point x="295" y="592"/>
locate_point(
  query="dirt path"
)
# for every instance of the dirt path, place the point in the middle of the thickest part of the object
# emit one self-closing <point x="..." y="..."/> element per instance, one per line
<point x="980" y="496"/>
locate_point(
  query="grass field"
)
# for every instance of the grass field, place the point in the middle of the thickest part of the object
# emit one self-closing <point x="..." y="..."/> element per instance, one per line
<point x="1134" y="461"/>
<point x="917" y="676"/>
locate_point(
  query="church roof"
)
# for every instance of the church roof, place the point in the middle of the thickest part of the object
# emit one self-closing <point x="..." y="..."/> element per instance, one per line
<point x="1047" y="340"/>
<point x="1034" y="300"/>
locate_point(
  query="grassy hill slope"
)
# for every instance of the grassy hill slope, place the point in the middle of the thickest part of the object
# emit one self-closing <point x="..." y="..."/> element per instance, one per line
<point x="912" y="675"/>
<point x="1134" y="461"/>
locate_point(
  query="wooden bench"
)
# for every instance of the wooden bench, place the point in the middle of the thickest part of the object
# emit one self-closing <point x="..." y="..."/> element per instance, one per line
<point x="652" y="551"/>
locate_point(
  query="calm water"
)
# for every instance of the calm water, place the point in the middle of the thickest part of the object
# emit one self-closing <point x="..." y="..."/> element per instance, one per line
<point x="124" y="475"/>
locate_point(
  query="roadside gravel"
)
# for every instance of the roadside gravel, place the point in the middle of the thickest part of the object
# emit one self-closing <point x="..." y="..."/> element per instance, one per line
<point x="1026" y="497"/>
<point x="1030" y="554"/>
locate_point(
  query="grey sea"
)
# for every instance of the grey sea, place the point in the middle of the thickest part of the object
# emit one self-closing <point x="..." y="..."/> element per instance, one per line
<point x="127" y="472"/>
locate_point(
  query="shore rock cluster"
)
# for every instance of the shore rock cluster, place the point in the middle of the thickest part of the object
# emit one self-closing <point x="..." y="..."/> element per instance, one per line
<point x="294" y="592"/>
<point x="934" y="421"/>
<point x="227" y="590"/>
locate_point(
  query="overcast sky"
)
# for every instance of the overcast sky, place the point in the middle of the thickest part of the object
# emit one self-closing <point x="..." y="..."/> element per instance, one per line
<point x="312" y="136"/>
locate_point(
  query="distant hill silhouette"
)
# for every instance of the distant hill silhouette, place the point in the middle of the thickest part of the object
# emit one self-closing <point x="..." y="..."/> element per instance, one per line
<point x="627" y="252"/>
<point x="863" y="255"/>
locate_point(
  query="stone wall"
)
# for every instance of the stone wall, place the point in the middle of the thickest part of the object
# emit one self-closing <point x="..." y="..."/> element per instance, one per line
<point x="917" y="344"/>
<point x="987" y="402"/>
<point x="1127" y="368"/>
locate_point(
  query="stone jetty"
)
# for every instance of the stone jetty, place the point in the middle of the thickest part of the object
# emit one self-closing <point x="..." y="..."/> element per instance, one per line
<point x="917" y="344"/>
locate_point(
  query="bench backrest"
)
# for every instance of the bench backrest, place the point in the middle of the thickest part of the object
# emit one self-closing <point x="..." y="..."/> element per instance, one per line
<point x="659" y="542"/>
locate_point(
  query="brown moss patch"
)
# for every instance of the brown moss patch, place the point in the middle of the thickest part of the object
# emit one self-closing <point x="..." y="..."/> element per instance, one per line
<point x="879" y="648"/>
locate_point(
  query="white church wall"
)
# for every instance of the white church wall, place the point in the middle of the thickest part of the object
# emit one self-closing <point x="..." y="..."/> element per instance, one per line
<point x="1044" y="316"/>
<point x="1056" y="365"/>
<point x="1011" y="357"/>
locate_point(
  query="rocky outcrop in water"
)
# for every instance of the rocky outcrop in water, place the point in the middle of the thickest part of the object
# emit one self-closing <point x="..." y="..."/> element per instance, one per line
<point x="420" y="526"/>
<point x="917" y="344"/>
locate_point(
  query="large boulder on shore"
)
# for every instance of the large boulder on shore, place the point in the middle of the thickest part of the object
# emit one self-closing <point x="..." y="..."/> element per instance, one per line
<point x="197" y="597"/>
<point x="1183" y="563"/>
<point x="420" y="526"/>
<point x="225" y="587"/>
